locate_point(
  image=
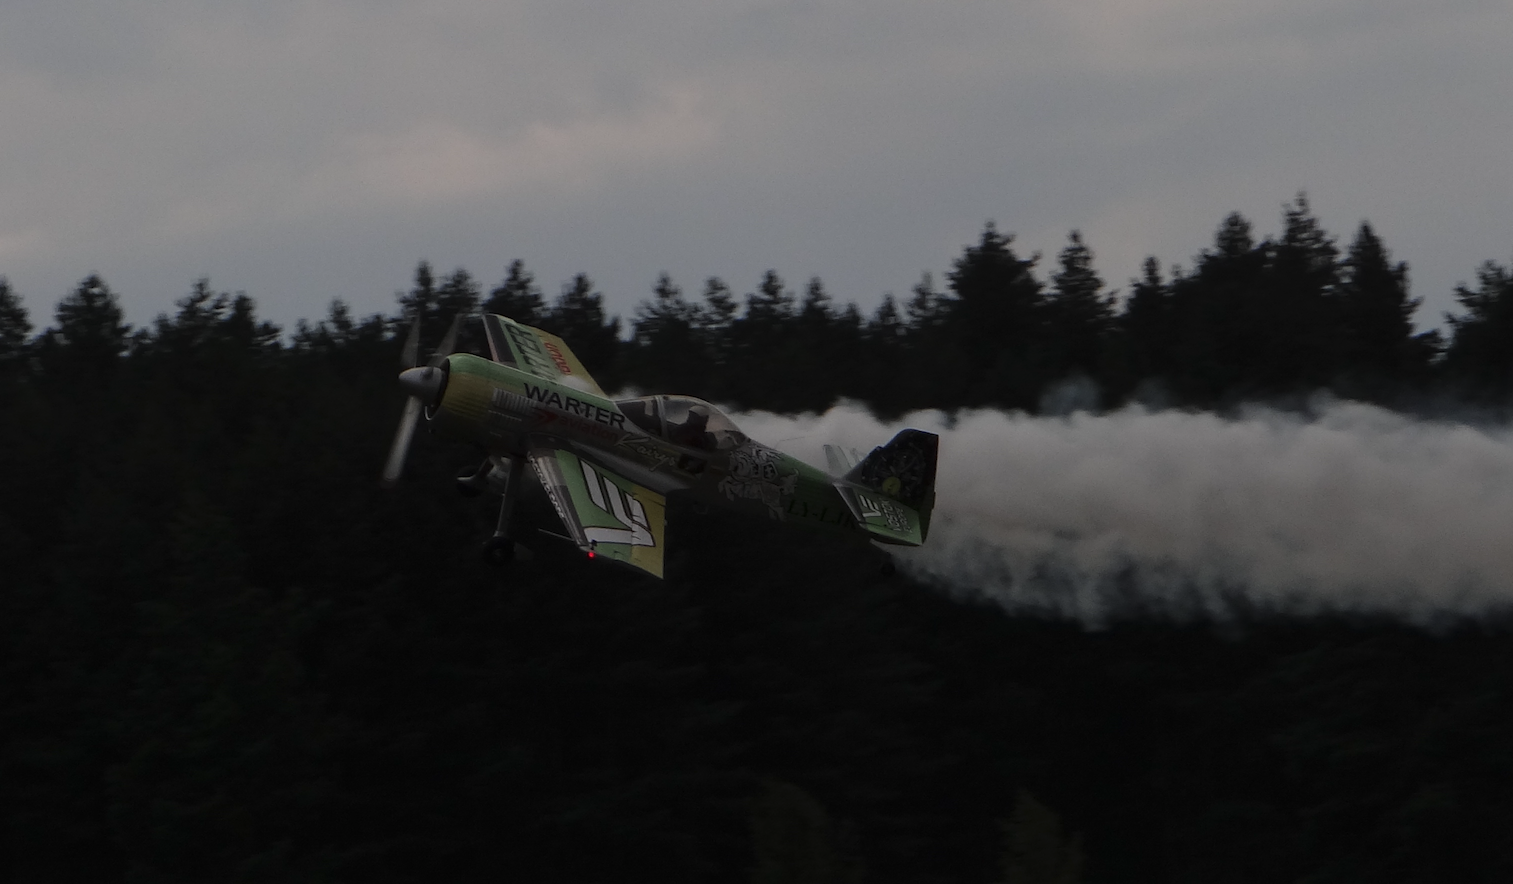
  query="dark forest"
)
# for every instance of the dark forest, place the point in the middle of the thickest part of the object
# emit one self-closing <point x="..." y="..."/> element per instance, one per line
<point x="229" y="655"/>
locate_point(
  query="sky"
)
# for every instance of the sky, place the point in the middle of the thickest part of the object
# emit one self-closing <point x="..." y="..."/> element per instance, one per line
<point x="304" y="151"/>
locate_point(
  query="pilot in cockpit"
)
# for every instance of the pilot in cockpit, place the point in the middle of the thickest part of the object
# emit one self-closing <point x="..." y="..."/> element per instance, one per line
<point x="694" y="430"/>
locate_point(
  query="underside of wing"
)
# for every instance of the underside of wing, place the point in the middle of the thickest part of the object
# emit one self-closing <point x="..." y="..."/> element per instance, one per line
<point x="604" y="513"/>
<point x="541" y="353"/>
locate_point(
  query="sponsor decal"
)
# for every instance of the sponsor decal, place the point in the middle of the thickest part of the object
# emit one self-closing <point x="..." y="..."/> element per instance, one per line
<point x="892" y="513"/>
<point x="826" y="515"/>
<point x="648" y="451"/>
<point x="754" y="464"/>
<point x="618" y="504"/>
<point x="530" y="349"/>
<point x="754" y="476"/>
<point x="573" y="406"/>
<point x="551" y="420"/>
<point x="558" y="359"/>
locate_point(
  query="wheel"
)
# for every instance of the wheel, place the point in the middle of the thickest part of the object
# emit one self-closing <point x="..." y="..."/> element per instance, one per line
<point x="499" y="551"/>
<point x="887" y="569"/>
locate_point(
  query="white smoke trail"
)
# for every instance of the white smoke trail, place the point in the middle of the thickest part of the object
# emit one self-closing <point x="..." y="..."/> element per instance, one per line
<point x="1355" y="508"/>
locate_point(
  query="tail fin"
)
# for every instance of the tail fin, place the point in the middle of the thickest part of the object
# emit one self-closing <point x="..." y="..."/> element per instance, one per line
<point x="892" y="491"/>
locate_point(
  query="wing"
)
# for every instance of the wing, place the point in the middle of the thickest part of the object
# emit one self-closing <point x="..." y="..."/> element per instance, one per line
<point x="605" y="514"/>
<point x="543" y="354"/>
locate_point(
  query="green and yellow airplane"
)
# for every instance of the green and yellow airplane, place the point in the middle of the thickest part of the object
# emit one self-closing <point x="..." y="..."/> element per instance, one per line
<point x="609" y="465"/>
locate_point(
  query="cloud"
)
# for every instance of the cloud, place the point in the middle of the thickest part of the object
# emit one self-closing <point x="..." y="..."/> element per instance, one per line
<point x="443" y="162"/>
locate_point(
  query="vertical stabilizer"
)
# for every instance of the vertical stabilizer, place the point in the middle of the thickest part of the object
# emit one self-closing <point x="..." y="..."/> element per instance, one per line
<point x="892" y="491"/>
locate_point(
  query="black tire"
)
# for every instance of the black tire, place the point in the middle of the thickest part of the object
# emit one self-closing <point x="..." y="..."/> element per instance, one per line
<point x="887" y="569"/>
<point x="499" y="551"/>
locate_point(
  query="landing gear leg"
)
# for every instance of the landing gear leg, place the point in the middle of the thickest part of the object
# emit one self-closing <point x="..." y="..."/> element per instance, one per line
<point x="501" y="549"/>
<point x="473" y="484"/>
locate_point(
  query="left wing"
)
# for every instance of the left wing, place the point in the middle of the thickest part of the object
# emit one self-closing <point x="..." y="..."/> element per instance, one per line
<point x="605" y="514"/>
<point x="543" y="354"/>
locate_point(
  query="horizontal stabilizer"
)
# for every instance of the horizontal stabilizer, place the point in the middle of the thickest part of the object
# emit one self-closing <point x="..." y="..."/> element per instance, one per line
<point x="838" y="460"/>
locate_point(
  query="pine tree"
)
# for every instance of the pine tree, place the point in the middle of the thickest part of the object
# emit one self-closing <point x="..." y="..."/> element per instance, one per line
<point x="1480" y="355"/>
<point x="1296" y="315"/>
<point x="15" y="328"/>
<point x="819" y="353"/>
<point x="669" y="353"/>
<point x="933" y="364"/>
<point x="90" y="335"/>
<point x="1079" y="315"/>
<point x="458" y="295"/>
<point x="1218" y="339"/>
<point x="1377" y="348"/>
<point x="996" y="322"/>
<point x="577" y="316"/>
<point x="759" y="340"/>
<point x="422" y="302"/>
<point x="1145" y="332"/>
<point x="517" y="296"/>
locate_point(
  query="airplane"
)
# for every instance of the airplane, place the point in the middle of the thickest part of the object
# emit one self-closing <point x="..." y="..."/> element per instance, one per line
<point x="609" y="465"/>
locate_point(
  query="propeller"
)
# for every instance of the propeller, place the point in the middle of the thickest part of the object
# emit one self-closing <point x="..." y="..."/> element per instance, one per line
<point x="425" y="386"/>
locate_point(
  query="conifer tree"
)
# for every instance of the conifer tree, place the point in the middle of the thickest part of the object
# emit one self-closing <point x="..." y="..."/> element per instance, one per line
<point x="1480" y="355"/>
<point x="422" y="301"/>
<point x="1297" y="316"/>
<point x="933" y="362"/>
<point x="1145" y="327"/>
<point x="15" y="328"/>
<point x="717" y="318"/>
<point x="90" y="334"/>
<point x="578" y="316"/>
<point x="458" y="295"/>
<point x="759" y="342"/>
<point x="669" y="353"/>
<point x="517" y="296"/>
<point x="770" y="304"/>
<point x="1219" y="342"/>
<point x="819" y="353"/>
<point x="996" y="321"/>
<point x="1377" y="349"/>
<point x="1079" y="315"/>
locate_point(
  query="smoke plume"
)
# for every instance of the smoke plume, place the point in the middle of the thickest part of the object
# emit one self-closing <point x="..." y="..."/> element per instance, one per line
<point x="1352" y="508"/>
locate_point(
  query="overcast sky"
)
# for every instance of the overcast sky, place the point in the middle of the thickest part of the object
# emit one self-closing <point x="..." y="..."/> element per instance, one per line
<point x="301" y="151"/>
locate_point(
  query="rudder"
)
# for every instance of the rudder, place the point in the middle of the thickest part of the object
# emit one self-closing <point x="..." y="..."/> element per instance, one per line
<point x="902" y="471"/>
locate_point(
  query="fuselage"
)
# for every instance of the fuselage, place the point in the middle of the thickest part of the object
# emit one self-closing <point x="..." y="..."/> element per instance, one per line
<point x="507" y="411"/>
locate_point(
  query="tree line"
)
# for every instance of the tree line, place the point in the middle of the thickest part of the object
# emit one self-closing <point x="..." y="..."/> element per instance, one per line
<point x="1271" y="319"/>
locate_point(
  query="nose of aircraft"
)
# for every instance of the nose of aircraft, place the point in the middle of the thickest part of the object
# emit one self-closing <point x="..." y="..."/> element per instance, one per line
<point x="423" y="383"/>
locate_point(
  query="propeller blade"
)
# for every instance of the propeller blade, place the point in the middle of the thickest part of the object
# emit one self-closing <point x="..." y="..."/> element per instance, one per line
<point x="447" y="343"/>
<point x="401" y="447"/>
<point x="410" y="357"/>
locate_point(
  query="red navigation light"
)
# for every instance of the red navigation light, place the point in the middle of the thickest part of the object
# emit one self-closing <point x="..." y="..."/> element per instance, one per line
<point x="590" y="553"/>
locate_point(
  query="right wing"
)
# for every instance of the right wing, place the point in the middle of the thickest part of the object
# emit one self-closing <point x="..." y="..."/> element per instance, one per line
<point x="540" y="353"/>
<point x="605" y="514"/>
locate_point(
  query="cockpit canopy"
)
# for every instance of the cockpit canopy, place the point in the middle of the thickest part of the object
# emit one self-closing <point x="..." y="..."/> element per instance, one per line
<point x="683" y="420"/>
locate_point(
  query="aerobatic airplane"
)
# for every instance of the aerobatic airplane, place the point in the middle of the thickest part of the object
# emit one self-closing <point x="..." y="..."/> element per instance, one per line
<point x="608" y="465"/>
